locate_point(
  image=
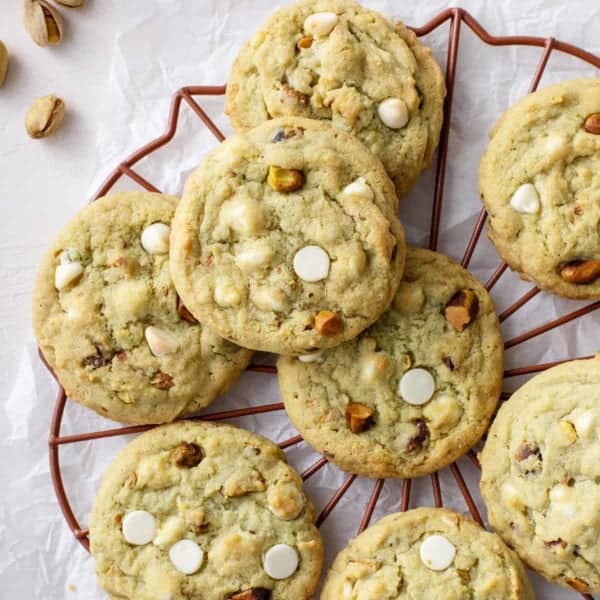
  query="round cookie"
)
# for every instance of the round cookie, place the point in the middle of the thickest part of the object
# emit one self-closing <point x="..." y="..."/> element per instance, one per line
<point x="335" y="60"/>
<point x="427" y="553"/>
<point x="110" y="324"/>
<point x="540" y="182"/>
<point x="198" y="510"/>
<point x="541" y="474"/>
<point x="413" y="392"/>
<point x="283" y="233"/>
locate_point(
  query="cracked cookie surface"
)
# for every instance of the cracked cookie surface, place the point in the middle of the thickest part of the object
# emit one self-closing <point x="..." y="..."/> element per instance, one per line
<point x="539" y="179"/>
<point x="225" y="490"/>
<point x="102" y="302"/>
<point x="343" y="75"/>
<point x="281" y="235"/>
<point x="413" y="392"/>
<point x="386" y="562"/>
<point x="541" y="473"/>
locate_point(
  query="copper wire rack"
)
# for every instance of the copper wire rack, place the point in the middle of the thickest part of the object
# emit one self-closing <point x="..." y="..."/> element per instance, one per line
<point x="456" y="18"/>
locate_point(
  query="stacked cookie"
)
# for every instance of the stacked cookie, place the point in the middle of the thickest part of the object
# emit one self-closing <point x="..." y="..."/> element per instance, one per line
<point x="286" y="239"/>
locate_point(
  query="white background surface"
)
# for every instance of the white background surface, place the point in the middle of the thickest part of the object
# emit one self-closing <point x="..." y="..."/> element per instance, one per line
<point x="116" y="69"/>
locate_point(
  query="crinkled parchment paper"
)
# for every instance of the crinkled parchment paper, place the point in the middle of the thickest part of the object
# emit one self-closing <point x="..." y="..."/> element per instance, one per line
<point x="162" y="45"/>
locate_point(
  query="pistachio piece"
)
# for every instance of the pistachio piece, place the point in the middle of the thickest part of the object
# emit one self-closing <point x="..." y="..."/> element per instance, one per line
<point x="578" y="584"/>
<point x="95" y="361"/>
<point x="462" y="309"/>
<point x="184" y="313"/>
<point x="328" y="323"/>
<point x="592" y="124"/>
<point x="187" y="455"/>
<point x="359" y="417"/>
<point x="304" y="42"/>
<point x="44" y="116"/>
<point x="581" y="271"/>
<point x="285" y="180"/>
<point x="162" y="381"/>
<point x="416" y="441"/>
<point x="71" y="3"/>
<point x="253" y="594"/>
<point x="3" y="62"/>
<point x="42" y="22"/>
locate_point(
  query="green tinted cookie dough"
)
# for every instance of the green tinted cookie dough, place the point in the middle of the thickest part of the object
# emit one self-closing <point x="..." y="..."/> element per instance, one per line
<point x="92" y="331"/>
<point x="401" y="439"/>
<point x="227" y="490"/>
<point x="548" y="142"/>
<point x="253" y="204"/>
<point x="384" y="562"/>
<point x="343" y="75"/>
<point x="541" y="474"/>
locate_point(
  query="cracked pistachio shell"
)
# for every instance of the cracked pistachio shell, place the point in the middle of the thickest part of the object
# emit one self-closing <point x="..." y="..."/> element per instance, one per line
<point x="43" y="22"/>
<point x="71" y="3"/>
<point x="3" y="62"/>
<point x="44" y="116"/>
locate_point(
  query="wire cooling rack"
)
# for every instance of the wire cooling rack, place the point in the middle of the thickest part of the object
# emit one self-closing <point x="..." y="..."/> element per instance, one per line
<point x="457" y="18"/>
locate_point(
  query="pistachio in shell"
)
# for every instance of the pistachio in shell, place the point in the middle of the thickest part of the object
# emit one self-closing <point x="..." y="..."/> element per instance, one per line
<point x="43" y="22"/>
<point x="3" y="62"/>
<point x="44" y="116"/>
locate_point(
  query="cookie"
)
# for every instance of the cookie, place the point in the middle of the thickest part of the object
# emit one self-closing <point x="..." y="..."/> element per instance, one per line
<point x="413" y="392"/>
<point x="334" y="60"/>
<point x="110" y="324"/>
<point x="541" y="473"/>
<point x="198" y="510"/>
<point x="427" y="553"/>
<point x="540" y="182"/>
<point x="282" y="234"/>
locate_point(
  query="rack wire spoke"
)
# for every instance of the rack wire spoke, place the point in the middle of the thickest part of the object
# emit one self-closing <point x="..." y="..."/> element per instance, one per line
<point x="290" y="442"/>
<point x="519" y="339"/>
<point x="335" y="499"/>
<point x="138" y="178"/>
<point x="405" y="501"/>
<point x="513" y="308"/>
<point x="437" y="490"/>
<point x="472" y="456"/>
<point x="541" y="367"/>
<point x="460" y="481"/>
<point x="371" y="506"/>
<point x="316" y="466"/>
<point x="254" y="368"/>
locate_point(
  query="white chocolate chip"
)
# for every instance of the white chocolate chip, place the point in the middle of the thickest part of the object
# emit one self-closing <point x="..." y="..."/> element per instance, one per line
<point x="170" y="531"/>
<point x="583" y="421"/>
<point x="511" y="496"/>
<point x="67" y="274"/>
<point x="186" y="556"/>
<point x="155" y="238"/>
<point x="160" y="342"/>
<point x="280" y="561"/>
<point x="311" y="263"/>
<point x="443" y="412"/>
<point x="526" y="199"/>
<point x="254" y="255"/>
<point x="393" y="112"/>
<point x="243" y="215"/>
<point x="227" y="294"/>
<point x="320" y="23"/>
<point x="416" y="386"/>
<point x="359" y="187"/>
<point x="269" y="298"/>
<point x="139" y="527"/>
<point x="437" y="552"/>
<point x="347" y="590"/>
<point x="317" y="357"/>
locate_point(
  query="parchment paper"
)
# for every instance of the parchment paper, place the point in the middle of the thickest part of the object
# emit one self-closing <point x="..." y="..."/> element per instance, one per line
<point x="165" y="44"/>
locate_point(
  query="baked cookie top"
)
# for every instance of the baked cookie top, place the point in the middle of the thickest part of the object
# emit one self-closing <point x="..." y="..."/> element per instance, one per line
<point x="413" y="392"/>
<point x="335" y="60"/>
<point x="282" y="235"/>
<point x="198" y="510"/>
<point x="110" y="324"/>
<point x="427" y="553"/>
<point x="540" y="182"/>
<point x="541" y="474"/>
